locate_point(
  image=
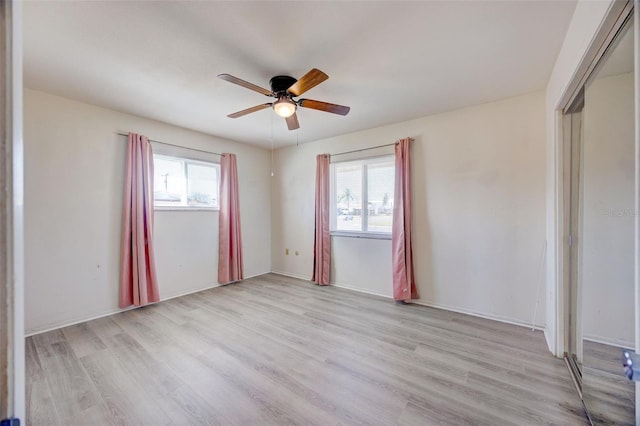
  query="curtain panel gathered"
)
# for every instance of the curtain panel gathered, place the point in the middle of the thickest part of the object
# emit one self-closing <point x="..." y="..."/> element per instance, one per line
<point x="138" y="280"/>
<point x="230" y="265"/>
<point x="322" y="236"/>
<point x="404" y="286"/>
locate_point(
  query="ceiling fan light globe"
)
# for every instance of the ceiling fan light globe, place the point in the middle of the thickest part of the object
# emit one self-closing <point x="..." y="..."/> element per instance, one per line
<point x="284" y="108"/>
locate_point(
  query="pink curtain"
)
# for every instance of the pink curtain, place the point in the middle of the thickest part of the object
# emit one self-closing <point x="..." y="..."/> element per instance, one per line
<point x="230" y="266"/>
<point x="404" y="286"/>
<point x="322" y="237"/>
<point x="138" y="280"/>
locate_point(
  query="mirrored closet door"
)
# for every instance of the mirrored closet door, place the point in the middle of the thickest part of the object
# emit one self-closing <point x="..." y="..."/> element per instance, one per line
<point x="599" y="152"/>
<point x="608" y="224"/>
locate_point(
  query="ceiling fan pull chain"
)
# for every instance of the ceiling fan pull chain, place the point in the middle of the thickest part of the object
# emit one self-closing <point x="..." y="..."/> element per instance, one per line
<point x="272" y="145"/>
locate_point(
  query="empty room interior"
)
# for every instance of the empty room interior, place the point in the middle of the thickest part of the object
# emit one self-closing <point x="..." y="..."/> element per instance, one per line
<point x="289" y="212"/>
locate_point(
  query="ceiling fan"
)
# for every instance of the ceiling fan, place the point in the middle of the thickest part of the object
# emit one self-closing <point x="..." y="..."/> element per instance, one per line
<point x="284" y="88"/>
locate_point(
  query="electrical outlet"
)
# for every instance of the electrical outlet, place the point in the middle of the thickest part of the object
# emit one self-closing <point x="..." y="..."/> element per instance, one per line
<point x="286" y="251"/>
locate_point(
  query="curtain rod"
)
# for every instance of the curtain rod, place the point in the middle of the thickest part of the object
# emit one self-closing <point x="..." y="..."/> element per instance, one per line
<point x="177" y="146"/>
<point x="365" y="149"/>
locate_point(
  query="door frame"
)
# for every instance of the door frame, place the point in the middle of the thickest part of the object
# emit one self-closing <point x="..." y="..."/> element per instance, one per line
<point x="572" y="253"/>
<point x="636" y="42"/>
<point x="12" y="363"/>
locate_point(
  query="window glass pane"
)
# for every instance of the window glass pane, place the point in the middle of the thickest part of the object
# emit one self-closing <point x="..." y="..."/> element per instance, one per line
<point x="202" y="185"/>
<point x="380" y="183"/>
<point x="348" y="197"/>
<point x="168" y="181"/>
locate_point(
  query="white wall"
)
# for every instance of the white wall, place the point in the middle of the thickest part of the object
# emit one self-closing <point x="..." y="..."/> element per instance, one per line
<point x="479" y="202"/>
<point x="74" y="163"/>
<point x="585" y="22"/>
<point x="608" y="211"/>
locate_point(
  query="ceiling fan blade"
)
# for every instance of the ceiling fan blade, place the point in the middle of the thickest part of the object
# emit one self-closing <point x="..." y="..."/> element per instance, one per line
<point x="307" y="81"/>
<point x="292" y="122"/>
<point x="240" y="82"/>
<point x="324" y="106"/>
<point x="248" y="110"/>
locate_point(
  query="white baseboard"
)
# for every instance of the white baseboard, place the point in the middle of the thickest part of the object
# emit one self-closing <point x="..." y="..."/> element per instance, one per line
<point x="429" y="304"/>
<point x="551" y="344"/>
<point x="359" y="290"/>
<point x="498" y="318"/>
<point x="67" y="323"/>
<point x="254" y="275"/>
<point x="288" y="274"/>
<point x="610" y="342"/>
<point x="63" y="324"/>
<point x="333" y="284"/>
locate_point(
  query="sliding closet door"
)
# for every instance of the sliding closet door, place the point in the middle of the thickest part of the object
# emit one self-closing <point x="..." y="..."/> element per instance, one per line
<point x="573" y="221"/>
<point x="607" y="232"/>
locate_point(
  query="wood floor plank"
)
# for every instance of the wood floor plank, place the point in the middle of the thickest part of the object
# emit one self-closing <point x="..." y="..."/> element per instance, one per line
<point x="308" y="377"/>
<point x="221" y="401"/>
<point x="277" y="350"/>
<point x="32" y="360"/>
<point x="513" y="390"/>
<point x="433" y="389"/>
<point x="41" y="408"/>
<point x="127" y="402"/>
<point x="278" y="404"/>
<point x="72" y="389"/>
<point x="608" y="395"/>
<point x="82" y="339"/>
<point x="104" y="327"/>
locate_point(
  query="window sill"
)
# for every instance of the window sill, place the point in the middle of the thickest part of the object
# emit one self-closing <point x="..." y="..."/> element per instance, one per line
<point x="367" y="235"/>
<point x="185" y="209"/>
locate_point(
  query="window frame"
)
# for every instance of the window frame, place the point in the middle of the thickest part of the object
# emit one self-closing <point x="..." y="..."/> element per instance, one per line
<point x="333" y="216"/>
<point x="185" y="162"/>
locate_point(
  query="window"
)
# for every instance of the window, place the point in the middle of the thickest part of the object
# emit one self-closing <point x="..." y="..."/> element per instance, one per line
<point x="362" y="196"/>
<point x="184" y="183"/>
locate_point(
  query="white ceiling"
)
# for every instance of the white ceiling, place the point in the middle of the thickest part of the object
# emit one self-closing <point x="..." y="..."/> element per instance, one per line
<point x="389" y="61"/>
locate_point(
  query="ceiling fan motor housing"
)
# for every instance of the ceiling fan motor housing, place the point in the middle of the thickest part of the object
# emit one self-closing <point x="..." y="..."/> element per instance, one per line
<point x="280" y="84"/>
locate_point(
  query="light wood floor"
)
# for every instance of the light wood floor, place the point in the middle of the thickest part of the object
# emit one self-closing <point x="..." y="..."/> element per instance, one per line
<point x="275" y="350"/>
<point x="608" y="394"/>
